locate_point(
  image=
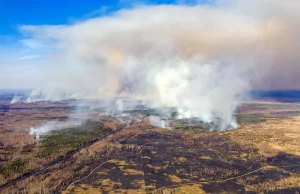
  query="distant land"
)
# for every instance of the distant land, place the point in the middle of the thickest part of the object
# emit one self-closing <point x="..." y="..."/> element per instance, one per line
<point x="278" y="95"/>
<point x="8" y="94"/>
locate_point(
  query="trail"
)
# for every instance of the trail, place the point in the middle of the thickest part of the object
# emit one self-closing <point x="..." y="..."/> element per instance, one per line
<point x="76" y="181"/>
<point x="224" y="180"/>
<point x="190" y="183"/>
<point x="65" y="157"/>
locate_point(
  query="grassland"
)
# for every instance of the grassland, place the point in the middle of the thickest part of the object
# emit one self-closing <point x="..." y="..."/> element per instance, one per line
<point x="22" y="160"/>
<point x="262" y="156"/>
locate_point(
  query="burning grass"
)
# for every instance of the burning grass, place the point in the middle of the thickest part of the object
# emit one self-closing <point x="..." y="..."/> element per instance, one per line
<point x="144" y="159"/>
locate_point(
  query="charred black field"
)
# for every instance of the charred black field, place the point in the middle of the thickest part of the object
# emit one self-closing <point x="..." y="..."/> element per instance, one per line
<point x="127" y="153"/>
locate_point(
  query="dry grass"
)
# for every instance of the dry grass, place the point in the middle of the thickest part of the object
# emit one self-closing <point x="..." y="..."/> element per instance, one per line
<point x="269" y="186"/>
<point x="184" y="189"/>
<point x="143" y="159"/>
<point x="271" y="137"/>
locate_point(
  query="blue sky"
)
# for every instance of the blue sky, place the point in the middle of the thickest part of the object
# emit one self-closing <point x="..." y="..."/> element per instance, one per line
<point x="14" y="13"/>
<point x="36" y="12"/>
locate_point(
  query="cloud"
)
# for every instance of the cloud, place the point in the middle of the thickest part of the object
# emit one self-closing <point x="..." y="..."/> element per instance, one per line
<point x="29" y="57"/>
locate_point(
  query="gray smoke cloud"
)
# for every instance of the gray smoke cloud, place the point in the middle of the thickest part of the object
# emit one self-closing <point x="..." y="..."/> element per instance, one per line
<point x="200" y="59"/>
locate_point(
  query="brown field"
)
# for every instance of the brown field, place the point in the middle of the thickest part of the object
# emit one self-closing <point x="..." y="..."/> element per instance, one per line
<point x="262" y="156"/>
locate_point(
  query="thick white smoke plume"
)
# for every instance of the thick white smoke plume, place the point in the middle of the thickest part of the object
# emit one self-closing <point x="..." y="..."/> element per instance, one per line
<point x="51" y="126"/>
<point x="199" y="59"/>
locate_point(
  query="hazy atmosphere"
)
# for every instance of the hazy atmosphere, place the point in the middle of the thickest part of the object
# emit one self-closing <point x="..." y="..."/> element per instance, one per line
<point x="198" y="62"/>
<point x="257" y="39"/>
<point x="72" y="73"/>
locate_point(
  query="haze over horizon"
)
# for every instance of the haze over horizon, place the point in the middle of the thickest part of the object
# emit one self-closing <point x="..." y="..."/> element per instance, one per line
<point x="201" y="57"/>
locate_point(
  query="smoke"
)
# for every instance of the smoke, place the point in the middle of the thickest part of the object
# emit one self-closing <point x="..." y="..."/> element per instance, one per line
<point x="159" y="122"/>
<point x="199" y="59"/>
<point x="56" y="94"/>
<point x="51" y="126"/>
<point x="119" y="105"/>
<point x="16" y="99"/>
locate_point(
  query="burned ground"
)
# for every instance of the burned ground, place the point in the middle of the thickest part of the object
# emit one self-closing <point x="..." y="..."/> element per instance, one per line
<point x="262" y="156"/>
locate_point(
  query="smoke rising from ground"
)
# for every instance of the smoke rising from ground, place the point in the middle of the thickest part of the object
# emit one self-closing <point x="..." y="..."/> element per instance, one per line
<point x="16" y="99"/>
<point x="51" y="126"/>
<point x="200" y="59"/>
